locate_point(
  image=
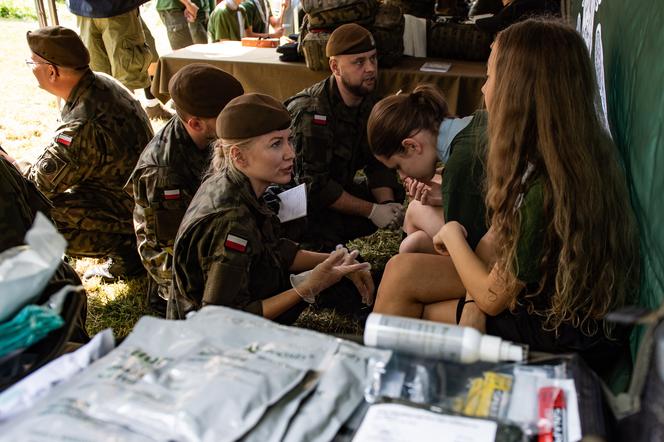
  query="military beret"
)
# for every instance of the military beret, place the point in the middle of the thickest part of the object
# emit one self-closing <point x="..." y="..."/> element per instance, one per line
<point x="202" y="90"/>
<point x="251" y="115"/>
<point x="60" y="46"/>
<point x="349" y="39"/>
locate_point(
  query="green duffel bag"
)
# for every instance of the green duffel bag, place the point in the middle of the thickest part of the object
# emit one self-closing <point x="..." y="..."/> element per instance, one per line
<point x="313" y="45"/>
<point x="329" y="14"/>
<point x="388" y="33"/>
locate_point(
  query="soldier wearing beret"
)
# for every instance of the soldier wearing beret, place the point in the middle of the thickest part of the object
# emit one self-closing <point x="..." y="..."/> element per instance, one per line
<point x="228" y="249"/>
<point x="85" y="167"/>
<point x="329" y="130"/>
<point x="172" y="166"/>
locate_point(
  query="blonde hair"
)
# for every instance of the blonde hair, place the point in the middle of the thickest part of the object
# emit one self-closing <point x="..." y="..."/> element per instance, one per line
<point x="544" y="113"/>
<point x="221" y="157"/>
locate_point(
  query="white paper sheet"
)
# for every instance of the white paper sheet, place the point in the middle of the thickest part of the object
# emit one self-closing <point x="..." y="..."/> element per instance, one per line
<point x="293" y="203"/>
<point x="436" y="66"/>
<point x="396" y="423"/>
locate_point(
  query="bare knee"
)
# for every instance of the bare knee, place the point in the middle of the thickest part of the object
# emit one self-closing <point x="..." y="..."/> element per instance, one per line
<point x="417" y="242"/>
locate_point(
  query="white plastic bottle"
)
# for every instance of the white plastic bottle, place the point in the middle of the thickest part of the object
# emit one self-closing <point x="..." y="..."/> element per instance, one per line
<point x="437" y="340"/>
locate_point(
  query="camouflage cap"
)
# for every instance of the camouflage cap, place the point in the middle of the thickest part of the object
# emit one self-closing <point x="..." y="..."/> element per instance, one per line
<point x="349" y="39"/>
<point x="251" y="115"/>
<point x="202" y="90"/>
<point x="60" y="46"/>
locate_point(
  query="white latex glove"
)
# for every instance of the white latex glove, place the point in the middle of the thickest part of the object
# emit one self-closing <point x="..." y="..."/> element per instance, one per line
<point x="382" y="215"/>
<point x="400" y="213"/>
<point x="361" y="278"/>
<point x="310" y="283"/>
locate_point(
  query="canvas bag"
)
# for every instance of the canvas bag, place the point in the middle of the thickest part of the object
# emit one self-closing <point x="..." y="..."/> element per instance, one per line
<point x="329" y="14"/>
<point x="388" y="32"/>
<point x="447" y="39"/>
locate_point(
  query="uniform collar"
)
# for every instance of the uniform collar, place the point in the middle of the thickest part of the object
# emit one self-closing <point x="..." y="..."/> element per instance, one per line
<point x="341" y="111"/>
<point x="247" y="193"/>
<point x="81" y="87"/>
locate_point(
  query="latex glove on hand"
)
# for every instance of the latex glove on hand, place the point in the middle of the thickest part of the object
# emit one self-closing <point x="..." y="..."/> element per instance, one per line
<point x="384" y="215"/>
<point x="361" y="278"/>
<point x="310" y="283"/>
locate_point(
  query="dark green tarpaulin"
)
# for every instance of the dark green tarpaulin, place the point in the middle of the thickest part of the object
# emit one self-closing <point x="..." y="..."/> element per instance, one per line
<point x="629" y="37"/>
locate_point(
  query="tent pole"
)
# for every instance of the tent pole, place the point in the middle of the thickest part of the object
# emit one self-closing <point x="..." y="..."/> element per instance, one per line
<point x="41" y="13"/>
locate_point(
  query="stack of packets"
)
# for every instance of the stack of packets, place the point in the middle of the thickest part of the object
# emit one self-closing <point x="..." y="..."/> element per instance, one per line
<point x="221" y="375"/>
<point x="482" y="402"/>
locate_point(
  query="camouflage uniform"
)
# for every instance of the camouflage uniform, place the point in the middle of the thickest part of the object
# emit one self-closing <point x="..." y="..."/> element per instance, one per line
<point x="331" y="145"/>
<point x="19" y="203"/>
<point x="85" y="167"/>
<point x="228" y="250"/>
<point x="167" y="176"/>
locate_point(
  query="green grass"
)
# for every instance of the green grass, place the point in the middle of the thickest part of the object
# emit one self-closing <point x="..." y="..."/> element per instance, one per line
<point x="120" y="305"/>
<point x="10" y="9"/>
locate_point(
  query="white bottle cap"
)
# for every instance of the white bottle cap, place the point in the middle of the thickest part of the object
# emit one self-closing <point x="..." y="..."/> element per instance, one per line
<point x="512" y="352"/>
<point x="490" y="348"/>
<point x="371" y="330"/>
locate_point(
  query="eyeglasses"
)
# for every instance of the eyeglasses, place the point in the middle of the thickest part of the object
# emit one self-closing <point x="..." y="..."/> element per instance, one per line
<point x="34" y="63"/>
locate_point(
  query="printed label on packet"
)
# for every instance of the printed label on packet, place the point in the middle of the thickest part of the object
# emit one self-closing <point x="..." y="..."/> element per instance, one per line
<point x="552" y="423"/>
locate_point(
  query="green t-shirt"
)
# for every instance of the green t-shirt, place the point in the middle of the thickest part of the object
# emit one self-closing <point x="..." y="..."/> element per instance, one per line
<point x="167" y="5"/>
<point x="531" y="237"/>
<point x="254" y="17"/>
<point x="463" y="179"/>
<point x="224" y="23"/>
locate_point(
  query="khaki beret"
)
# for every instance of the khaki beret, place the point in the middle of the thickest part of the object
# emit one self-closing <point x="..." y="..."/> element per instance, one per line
<point x="202" y="90"/>
<point x="60" y="46"/>
<point x="349" y="39"/>
<point x="251" y="115"/>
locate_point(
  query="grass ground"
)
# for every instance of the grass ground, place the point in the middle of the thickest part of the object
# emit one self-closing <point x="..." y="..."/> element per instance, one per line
<point x="30" y="114"/>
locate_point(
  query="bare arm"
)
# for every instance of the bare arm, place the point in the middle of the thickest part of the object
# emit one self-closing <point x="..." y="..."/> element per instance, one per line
<point x="485" y="287"/>
<point x="382" y="194"/>
<point x="306" y="260"/>
<point x="352" y="205"/>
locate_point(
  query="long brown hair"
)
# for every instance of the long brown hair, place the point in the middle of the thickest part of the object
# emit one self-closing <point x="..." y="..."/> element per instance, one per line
<point x="400" y="116"/>
<point x="544" y="112"/>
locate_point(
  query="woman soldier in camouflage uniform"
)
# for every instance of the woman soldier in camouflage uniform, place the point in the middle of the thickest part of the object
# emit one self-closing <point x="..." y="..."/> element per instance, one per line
<point x="228" y="250"/>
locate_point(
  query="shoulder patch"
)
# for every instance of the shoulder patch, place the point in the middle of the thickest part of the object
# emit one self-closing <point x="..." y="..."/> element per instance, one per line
<point x="235" y="242"/>
<point x="64" y="139"/>
<point x="172" y="194"/>
<point x="320" y="120"/>
<point x="51" y="165"/>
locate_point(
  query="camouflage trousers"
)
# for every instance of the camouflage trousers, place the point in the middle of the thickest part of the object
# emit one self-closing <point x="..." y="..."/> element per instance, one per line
<point x="121" y="46"/>
<point x="98" y="228"/>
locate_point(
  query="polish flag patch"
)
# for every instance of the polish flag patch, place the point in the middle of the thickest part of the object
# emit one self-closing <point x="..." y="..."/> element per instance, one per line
<point x="320" y="120"/>
<point x="173" y="194"/>
<point x="64" y="139"/>
<point x="236" y="243"/>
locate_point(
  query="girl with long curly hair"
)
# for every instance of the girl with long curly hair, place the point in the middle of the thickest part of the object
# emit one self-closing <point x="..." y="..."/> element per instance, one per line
<point x="562" y="249"/>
